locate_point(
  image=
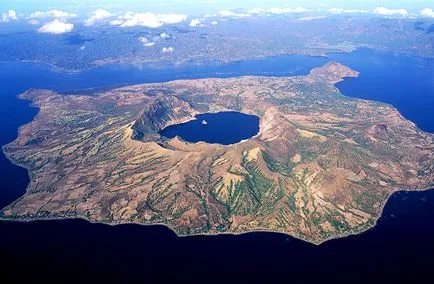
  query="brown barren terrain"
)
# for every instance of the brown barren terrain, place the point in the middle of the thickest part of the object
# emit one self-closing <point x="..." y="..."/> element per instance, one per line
<point x="322" y="166"/>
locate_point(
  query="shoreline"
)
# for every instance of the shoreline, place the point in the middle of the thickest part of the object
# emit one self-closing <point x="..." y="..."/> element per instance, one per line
<point x="368" y="228"/>
<point x="259" y="230"/>
<point x="206" y="234"/>
<point x="158" y="64"/>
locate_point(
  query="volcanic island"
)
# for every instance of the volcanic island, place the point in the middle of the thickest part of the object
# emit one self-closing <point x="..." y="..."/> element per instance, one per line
<point x="321" y="167"/>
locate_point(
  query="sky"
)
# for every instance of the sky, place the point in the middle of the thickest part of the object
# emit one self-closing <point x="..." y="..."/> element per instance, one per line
<point x="63" y="16"/>
<point x="205" y="6"/>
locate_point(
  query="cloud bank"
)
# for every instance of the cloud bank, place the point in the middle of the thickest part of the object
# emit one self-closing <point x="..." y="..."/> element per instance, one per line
<point x="229" y="13"/>
<point x="150" y="20"/>
<point x="390" y="12"/>
<point x="56" y="27"/>
<point x="8" y="16"/>
<point x="277" y="11"/>
<point x="427" y="13"/>
<point x="97" y="16"/>
<point x="298" y="10"/>
<point x="53" y="14"/>
<point x="310" y="18"/>
<point x="194" y="22"/>
<point x="348" y="11"/>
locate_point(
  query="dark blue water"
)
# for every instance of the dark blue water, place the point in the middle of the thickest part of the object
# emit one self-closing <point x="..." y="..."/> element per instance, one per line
<point x="399" y="248"/>
<point x="405" y="82"/>
<point x="223" y="128"/>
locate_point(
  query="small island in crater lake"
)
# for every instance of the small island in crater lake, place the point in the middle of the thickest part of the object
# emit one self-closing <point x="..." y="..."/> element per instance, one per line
<point x="319" y="166"/>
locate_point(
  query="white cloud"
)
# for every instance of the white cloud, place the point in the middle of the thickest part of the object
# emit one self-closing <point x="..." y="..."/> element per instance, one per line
<point x="172" y="18"/>
<point x="228" y="13"/>
<point x="340" y="11"/>
<point x="167" y="49"/>
<point x="288" y="10"/>
<point x="83" y="47"/>
<point x="214" y="23"/>
<point x="194" y="22"/>
<point x="261" y="11"/>
<point x="146" y="42"/>
<point x="116" y="22"/>
<point x="97" y="16"/>
<point x="56" y="27"/>
<point x="143" y="39"/>
<point x="8" y="16"/>
<point x="12" y="14"/>
<point x="275" y="10"/>
<point x="427" y="12"/>
<point x="335" y="10"/>
<point x="310" y="18"/>
<point x="164" y="35"/>
<point x="360" y="11"/>
<point x="150" y="20"/>
<point x="257" y="11"/>
<point x="53" y="14"/>
<point x="390" y="12"/>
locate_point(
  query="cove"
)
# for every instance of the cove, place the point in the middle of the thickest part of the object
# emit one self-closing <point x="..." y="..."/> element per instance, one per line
<point x="406" y="82"/>
<point x="223" y="128"/>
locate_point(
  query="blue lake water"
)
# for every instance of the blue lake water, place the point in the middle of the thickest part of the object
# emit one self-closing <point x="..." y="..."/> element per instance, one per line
<point x="223" y="128"/>
<point x="405" y="82"/>
<point x="403" y="235"/>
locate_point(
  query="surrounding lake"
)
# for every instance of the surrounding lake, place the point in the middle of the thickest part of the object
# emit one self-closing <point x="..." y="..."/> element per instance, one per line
<point x="405" y="82"/>
<point x="223" y="128"/>
<point x="403" y="235"/>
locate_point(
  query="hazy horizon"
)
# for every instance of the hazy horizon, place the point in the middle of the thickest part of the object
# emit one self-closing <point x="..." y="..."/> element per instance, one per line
<point x="206" y="6"/>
